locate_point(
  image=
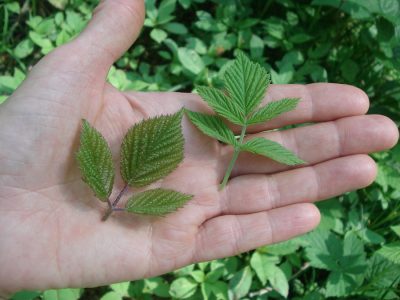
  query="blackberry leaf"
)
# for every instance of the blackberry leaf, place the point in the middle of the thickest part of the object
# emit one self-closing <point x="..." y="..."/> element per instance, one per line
<point x="95" y="161"/>
<point x="152" y="149"/>
<point x="158" y="202"/>
<point x="246" y="83"/>
<point x="272" y="110"/>
<point x="212" y="126"/>
<point x="271" y="150"/>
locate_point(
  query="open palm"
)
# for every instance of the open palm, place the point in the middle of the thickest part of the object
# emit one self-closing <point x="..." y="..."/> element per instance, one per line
<point x="50" y="229"/>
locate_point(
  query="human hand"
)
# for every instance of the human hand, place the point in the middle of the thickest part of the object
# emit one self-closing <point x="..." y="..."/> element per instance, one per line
<point x="50" y="229"/>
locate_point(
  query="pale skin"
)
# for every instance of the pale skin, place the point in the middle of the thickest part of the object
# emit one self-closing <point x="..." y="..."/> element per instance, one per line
<point x="50" y="223"/>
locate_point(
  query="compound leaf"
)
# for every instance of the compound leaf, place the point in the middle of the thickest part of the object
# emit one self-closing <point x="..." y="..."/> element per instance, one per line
<point x="271" y="150"/>
<point x="272" y="110"/>
<point x="221" y="104"/>
<point x="157" y="202"/>
<point x="152" y="149"/>
<point x="212" y="126"/>
<point x="95" y="161"/>
<point x="246" y="82"/>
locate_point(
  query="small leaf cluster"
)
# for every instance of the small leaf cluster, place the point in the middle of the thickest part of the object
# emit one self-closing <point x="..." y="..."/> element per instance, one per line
<point x="150" y="150"/>
<point x="246" y="84"/>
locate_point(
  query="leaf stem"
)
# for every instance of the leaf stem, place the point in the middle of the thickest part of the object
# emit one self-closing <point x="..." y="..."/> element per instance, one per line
<point x="112" y="206"/>
<point x="234" y="158"/>
<point x="121" y="193"/>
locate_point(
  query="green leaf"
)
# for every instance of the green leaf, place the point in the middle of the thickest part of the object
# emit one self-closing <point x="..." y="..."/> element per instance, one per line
<point x="111" y="296"/>
<point x="95" y="161"/>
<point x="13" y="7"/>
<point x="340" y="284"/>
<point x="152" y="149"/>
<point x="158" y="35"/>
<point x="176" y="28"/>
<point x="218" y="288"/>
<point x="198" y="275"/>
<point x="260" y="263"/>
<point x="391" y="252"/>
<point x="256" y="46"/>
<point x="241" y="282"/>
<point x="157" y="286"/>
<point x="381" y="272"/>
<point x="121" y="288"/>
<point x="220" y="103"/>
<point x="62" y="294"/>
<point x="158" y="202"/>
<point x="272" y="110"/>
<point x="183" y="287"/>
<point x="190" y="60"/>
<point x="396" y="229"/>
<point x="60" y="4"/>
<point x="282" y="248"/>
<point x="23" y="49"/>
<point x="266" y="270"/>
<point x="278" y="280"/>
<point x="26" y="295"/>
<point x="246" y="83"/>
<point x="212" y="126"/>
<point x="271" y="150"/>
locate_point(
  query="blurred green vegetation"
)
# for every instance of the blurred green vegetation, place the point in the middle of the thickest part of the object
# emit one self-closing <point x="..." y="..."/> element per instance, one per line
<point x="355" y="252"/>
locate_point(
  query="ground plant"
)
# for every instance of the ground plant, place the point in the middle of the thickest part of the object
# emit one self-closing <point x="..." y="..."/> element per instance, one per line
<point x="355" y="251"/>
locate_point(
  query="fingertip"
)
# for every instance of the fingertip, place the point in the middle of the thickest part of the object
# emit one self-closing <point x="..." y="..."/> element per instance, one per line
<point x="361" y="99"/>
<point x="389" y="133"/>
<point x="365" y="170"/>
<point x="114" y="26"/>
<point x="356" y="99"/>
<point x="307" y="217"/>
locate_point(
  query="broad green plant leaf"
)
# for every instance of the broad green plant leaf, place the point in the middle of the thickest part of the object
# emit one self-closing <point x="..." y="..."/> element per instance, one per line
<point x="95" y="161"/>
<point x="266" y="270"/>
<point x="62" y="294"/>
<point x="341" y="284"/>
<point x="246" y="83"/>
<point x="221" y="104"/>
<point x="152" y="149"/>
<point x="391" y="252"/>
<point x="271" y="150"/>
<point x="272" y="110"/>
<point x="183" y="287"/>
<point x="190" y="60"/>
<point x="158" y="202"/>
<point x="241" y="282"/>
<point x="212" y="126"/>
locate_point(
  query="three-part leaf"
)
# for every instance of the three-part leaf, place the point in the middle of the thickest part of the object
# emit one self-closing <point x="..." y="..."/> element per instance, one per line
<point x="246" y="83"/>
<point x="271" y="150"/>
<point x="157" y="202"/>
<point x="212" y="126"/>
<point x="95" y="161"/>
<point x="272" y="110"/>
<point x="152" y="149"/>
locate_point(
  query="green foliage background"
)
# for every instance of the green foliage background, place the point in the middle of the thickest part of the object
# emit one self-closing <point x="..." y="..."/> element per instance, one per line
<point x="355" y="252"/>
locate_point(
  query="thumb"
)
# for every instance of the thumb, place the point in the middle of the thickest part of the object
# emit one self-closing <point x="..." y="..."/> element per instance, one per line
<point x="114" y="27"/>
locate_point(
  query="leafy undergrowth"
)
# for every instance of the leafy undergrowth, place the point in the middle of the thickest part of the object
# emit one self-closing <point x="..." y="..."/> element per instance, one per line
<point x="354" y="253"/>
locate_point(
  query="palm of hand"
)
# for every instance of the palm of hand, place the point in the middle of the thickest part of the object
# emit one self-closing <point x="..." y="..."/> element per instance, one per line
<point x="43" y="198"/>
<point x="51" y="199"/>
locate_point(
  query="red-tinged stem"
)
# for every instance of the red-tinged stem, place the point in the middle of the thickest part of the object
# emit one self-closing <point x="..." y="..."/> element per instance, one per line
<point x="113" y="206"/>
